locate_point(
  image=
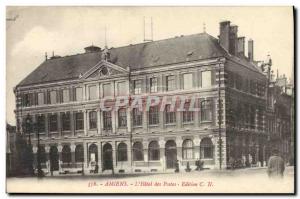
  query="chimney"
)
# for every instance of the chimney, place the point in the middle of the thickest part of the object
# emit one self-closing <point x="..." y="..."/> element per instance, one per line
<point x="233" y="40"/>
<point x="241" y="46"/>
<point x="224" y="34"/>
<point x="250" y="50"/>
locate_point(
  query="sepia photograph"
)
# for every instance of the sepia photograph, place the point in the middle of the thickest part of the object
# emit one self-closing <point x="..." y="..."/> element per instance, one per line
<point x="150" y="100"/>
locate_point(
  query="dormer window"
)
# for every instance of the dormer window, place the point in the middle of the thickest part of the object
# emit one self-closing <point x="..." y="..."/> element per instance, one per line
<point x="104" y="71"/>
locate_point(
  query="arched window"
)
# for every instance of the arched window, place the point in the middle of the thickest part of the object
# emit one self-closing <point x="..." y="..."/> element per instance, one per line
<point x="66" y="154"/>
<point x="206" y="148"/>
<point x="122" y="152"/>
<point x="153" y="150"/>
<point x="79" y="153"/>
<point x="138" y="154"/>
<point x="187" y="149"/>
<point x="93" y="153"/>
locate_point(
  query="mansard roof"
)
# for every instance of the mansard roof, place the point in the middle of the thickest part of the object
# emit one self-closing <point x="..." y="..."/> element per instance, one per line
<point x="144" y="55"/>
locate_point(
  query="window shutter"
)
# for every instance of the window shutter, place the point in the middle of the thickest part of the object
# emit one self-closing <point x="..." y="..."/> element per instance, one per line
<point x="35" y="101"/>
<point x="71" y="94"/>
<point x="200" y="78"/>
<point x="48" y="97"/>
<point x="57" y="96"/>
<point x="45" y="97"/>
<point x="61" y="96"/>
<point x="213" y="77"/>
<point x="163" y="83"/>
<point x="213" y="110"/>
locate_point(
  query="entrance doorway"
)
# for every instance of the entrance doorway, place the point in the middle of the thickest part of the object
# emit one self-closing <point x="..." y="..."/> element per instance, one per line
<point x="107" y="157"/>
<point x="54" y="165"/>
<point x="171" y="154"/>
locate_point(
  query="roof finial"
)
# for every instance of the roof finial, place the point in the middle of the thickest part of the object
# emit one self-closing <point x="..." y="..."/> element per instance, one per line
<point x="204" y="28"/>
<point x="46" y="56"/>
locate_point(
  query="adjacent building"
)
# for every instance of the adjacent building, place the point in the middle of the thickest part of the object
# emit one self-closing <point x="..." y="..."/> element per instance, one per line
<point x="63" y="95"/>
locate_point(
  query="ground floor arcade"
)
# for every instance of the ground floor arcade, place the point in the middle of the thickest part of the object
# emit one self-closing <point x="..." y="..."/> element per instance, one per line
<point x="155" y="154"/>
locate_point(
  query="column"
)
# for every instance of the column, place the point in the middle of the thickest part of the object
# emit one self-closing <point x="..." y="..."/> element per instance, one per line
<point x="72" y="123"/>
<point x="161" y="118"/>
<point x="33" y="133"/>
<point x="145" y="150"/>
<point x="145" y="120"/>
<point x="59" y="148"/>
<point x="128" y="120"/>
<point x="47" y="125"/>
<point x="85" y="152"/>
<point x="196" y="113"/>
<point x="177" y="80"/>
<point x="263" y="121"/>
<point x="197" y="141"/>
<point x="59" y="125"/>
<point x="84" y="93"/>
<point x="99" y="156"/>
<point x="114" y="157"/>
<point x="47" y="151"/>
<point x="179" y="149"/>
<point x="98" y="122"/>
<point x="179" y="119"/>
<point x="162" y="154"/>
<point x="113" y="122"/>
<point x="129" y="154"/>
<point x="73" y="147"/>
<point x="85" y="122"/>
<point x="256" y="118"/>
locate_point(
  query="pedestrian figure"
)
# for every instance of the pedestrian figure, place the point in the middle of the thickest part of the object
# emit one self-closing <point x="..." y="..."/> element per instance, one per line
<point x="177" y="166"/>
<point x="231" y="162"/>
<point x="275" y="165"/>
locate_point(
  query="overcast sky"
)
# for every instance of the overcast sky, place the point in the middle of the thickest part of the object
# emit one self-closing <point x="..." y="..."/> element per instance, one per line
<point x="67" y="30"/>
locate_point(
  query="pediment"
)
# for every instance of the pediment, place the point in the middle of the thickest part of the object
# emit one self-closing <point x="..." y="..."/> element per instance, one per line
<point x="104" y="69"/>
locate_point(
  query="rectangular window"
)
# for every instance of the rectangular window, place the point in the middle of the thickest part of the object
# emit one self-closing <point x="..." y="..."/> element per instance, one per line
<point x="66" y="95"/>
<point x="137" y="87"/>
<point x="170" y="115"/>
<point x="206" y="110"/>
<point x="122" y="117"/>
<point x="41" y="123"/>
<point x="53" y="97"/>
<point x="122" y="90"/>
<point x="107" y="120"/>
<point x="170" y="83"/>
<point x="92" y="92"/>
<point x="41" y="99"/>
<point x="52" y="122"/>
<point x="153" y="115"/>
<point x="93" y="119"/>
<point x="65" y="120"/>
<point x="137" y="117"/>
<point x="187" y="81"/>
<point x="79" y="94"/>
<point x="107" y="91"/>
<point x="206" y="79"/>
<point x="153" y="85"/>
<point x="188" y="116"/>
<point x="25" y="100"/>
<point x="79" y="121"/>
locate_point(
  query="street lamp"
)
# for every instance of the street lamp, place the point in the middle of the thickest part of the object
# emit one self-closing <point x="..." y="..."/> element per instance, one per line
<point x="40" y="172"/>
<point x="28" y="125"/>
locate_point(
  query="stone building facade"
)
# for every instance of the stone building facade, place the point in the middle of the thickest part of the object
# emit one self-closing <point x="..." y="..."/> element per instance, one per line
<point x="64" y="95"/>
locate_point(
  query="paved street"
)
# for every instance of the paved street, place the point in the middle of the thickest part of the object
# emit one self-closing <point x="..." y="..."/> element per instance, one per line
<point x="253" y="180"/>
